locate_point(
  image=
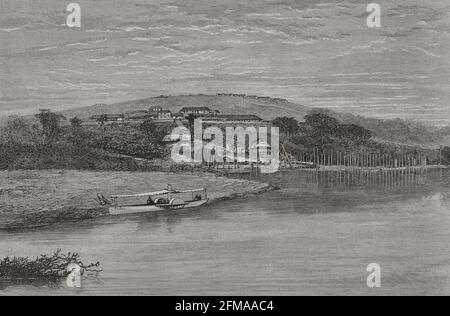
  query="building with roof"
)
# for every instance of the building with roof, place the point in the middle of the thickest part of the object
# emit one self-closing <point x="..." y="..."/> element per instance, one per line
<point x="155" y="108"/>
<point x="196" y="110"/>
<point x="142" y="117"/>
<point x="164" y="115"/>
<point x="234" y="118"/>
<point x="108" y="118"/>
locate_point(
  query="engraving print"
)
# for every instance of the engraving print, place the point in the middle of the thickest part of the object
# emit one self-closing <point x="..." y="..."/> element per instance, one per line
<point x="224" y="147"/>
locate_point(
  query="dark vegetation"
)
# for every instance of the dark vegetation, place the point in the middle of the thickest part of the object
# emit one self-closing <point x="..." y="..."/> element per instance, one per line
<point x="393" y="130"/>
<point x="45" y="143"/>
<point x="43" y="271"/>
<point x="446" y="155"/>
<point x="327" y="134"/>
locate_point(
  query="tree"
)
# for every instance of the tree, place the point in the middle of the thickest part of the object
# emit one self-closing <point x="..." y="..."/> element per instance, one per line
<point x="19" y="130"/>
<point x="50" y="123"/>
<point x="102" y="119"/>
<point x="155" y="132"/>
<point x="322" y="129"/>
<point x="322" y="123"/>
<point x="356" y="134"/>
<point x="76" y="123"/>
<point x="445" y="155"/>
<point x="191" y="119"/>
<point x="77" y="136"/>
<point x="287" y="125"/>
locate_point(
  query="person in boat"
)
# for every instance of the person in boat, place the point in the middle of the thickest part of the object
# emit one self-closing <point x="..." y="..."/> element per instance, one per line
<point x="157" y="201"/>
<point x="150" y="201"/>
<point x="163" y="201"/>
<point x="198" y="197"/>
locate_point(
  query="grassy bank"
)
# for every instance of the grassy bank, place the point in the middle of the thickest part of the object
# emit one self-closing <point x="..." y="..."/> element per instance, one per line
<point x="44" y="197"/>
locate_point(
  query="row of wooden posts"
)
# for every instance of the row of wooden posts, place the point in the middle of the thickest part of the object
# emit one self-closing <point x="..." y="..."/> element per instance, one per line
<point x="364" y="160"/>
<point x="326" y="160"/>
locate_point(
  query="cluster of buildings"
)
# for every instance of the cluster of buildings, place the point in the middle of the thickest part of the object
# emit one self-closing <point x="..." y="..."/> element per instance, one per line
<point x="160" y="115"/>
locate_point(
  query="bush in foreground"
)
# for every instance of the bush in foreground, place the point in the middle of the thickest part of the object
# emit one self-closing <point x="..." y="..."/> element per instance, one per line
<point x="44" y="270"/>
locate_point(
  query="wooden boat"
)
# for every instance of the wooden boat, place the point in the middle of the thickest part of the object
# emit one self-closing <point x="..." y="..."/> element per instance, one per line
<point x="164" y="200"/>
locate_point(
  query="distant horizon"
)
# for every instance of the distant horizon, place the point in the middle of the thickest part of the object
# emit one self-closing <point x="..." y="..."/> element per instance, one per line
<point x="318" y="53"/>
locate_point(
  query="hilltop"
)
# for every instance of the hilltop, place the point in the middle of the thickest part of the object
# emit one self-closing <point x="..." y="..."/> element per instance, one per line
<point x="265" y="107"/>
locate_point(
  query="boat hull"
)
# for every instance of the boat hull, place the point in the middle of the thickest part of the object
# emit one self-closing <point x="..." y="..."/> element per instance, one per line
<point x="129" y="209"/>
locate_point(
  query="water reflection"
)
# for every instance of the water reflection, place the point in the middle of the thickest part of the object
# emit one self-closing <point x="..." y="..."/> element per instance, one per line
<point x="344" y="179"/>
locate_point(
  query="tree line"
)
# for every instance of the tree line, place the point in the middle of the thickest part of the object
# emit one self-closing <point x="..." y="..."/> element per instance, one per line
<point x="327" y="134"/>
<point x="44" y="142"/>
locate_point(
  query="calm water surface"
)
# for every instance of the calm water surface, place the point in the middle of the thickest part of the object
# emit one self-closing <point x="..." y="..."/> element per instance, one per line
<point x="316" y="235"/>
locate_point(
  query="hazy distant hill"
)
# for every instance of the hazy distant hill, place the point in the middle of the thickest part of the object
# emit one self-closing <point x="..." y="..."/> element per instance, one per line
<point x="266" y="108"/>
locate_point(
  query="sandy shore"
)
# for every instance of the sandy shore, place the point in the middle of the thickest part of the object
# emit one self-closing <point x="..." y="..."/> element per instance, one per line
<point x="39" y="198"/>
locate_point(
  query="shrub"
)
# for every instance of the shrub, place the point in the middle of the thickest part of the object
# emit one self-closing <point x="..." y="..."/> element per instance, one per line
<point x="44" y="270"/>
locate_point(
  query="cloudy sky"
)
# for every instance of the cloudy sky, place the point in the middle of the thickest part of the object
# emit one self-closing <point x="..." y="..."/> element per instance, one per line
<point x="314" y="52"/>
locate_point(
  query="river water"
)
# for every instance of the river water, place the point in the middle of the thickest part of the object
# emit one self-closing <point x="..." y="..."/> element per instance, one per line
<point x="316" y="235"/>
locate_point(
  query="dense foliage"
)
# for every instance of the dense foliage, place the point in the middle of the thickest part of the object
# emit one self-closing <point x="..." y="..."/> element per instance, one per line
<point x="393" y="130"/>
<point x="446" y="155"/>
<point x="44" y="270"/>
<point x="44" y="143"/>
<point x="326" y="134"/>
<point x="322" y="132"/>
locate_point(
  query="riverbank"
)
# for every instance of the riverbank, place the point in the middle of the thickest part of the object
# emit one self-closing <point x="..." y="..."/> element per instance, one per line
<point x="44" y="197"/>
